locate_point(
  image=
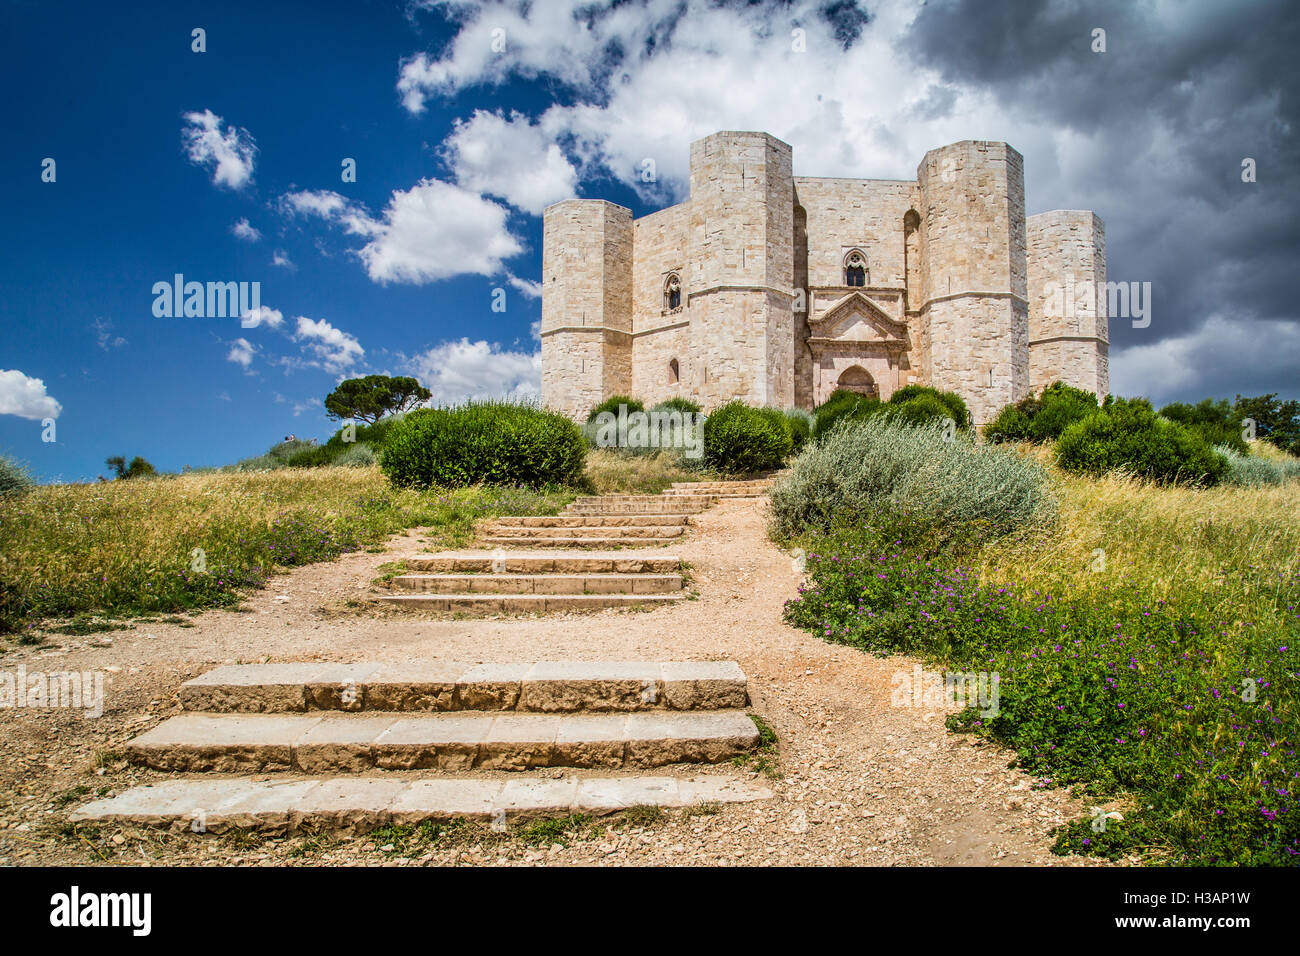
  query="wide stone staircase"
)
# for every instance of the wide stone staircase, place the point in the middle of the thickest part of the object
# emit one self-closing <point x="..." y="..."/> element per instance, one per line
<point x="357" y="746"/>
<point x="556" y="573"/>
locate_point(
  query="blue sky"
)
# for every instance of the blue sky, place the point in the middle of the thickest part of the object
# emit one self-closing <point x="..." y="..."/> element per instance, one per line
<point x="465" y="120"/>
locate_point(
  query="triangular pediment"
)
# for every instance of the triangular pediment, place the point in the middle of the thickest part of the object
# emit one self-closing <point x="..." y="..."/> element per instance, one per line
<point x="855" y="318"/>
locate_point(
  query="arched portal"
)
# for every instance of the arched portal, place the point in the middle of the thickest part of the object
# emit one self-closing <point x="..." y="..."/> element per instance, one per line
<point x="855" y="378"/>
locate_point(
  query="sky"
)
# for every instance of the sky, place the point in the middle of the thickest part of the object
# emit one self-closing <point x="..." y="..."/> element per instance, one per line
<point x="132" y="156"/>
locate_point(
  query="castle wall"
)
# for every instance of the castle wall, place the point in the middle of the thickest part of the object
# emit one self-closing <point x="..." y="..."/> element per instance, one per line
<point x="1068" y="325"/>
<point x="976" y="273"/>
<point x="741" y="273"/>
<point x="855" y="213"/>
<point x="659" y="247"/>
<point x="586" y="303"/>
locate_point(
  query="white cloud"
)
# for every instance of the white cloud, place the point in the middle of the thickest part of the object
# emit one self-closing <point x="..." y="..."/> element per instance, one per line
<point x="25" y="397"/>
<point x="241" y="352"/>
<point x="262" y="315"/>
<point x="104" y="335"/>
<point x="334" y="349"/>
<point x="434" y="230"/>
<point x="530" y="289"/>
<point x="323" y="203"/>
<point x="281" y="258"/>
<point x="510" y="158"/>
<point x="455" y="371"/>
<point x="243" y="230"/>
<point x="866" y="111"/>
<point x="230" y="154"/>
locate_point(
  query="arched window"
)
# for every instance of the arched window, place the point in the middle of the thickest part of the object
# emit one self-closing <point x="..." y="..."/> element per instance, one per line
<point x="855" y="269"/>
<point x="672" y="293"/>
<point x="673" y="372"/>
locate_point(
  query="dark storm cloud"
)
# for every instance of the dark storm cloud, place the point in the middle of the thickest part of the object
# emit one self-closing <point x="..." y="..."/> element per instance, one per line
<point x="1181" y="95"/>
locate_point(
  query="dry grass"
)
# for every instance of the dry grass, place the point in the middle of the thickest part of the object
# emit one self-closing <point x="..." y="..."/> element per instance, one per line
<point x="128" y="547"/>
<point x="610" y="472"/>
<point x="1229" y="542"/>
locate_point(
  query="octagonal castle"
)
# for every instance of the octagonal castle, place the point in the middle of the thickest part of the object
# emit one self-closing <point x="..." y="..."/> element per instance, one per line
<point x="778" y="289"/>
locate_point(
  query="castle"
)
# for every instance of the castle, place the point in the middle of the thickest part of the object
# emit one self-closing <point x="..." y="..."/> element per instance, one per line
<point x="778" y="289"/>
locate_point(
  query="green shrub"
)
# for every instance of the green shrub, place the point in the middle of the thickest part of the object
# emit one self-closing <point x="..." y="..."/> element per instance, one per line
<point x="917" y="479"/>
<point x="357" y="455"/>
<point x="920" y="410"/>
<point x="1252" y="471"/>
<point x="842" y="405"/>
<point x="612" y="403"/>
<point x="14" y="478"/>
<point x="951" y="401"/>
<point x="1216" y="422"/>
<point x="1012" y="423"/>
<point x="282" y="452"/>
<point x="1043" y="418"/>
<point x="1127" y="434"/>
<point x="741" y="440"/>
<point x="678" y="404"/>
<point x="801" y="425"/>
<point x="313" y="456"/>
<point x="490" y="442"/>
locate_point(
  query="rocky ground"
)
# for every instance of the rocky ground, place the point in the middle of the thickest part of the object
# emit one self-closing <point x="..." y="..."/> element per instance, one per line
<point x="857" y="780"/>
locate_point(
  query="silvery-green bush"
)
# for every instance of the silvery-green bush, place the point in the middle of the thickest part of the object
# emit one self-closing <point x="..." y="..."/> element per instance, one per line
<point x="14" y="478"/>
<point x="922" y="475"/>
<point x="1251" y="471"/>
<point x="357" y="456"/>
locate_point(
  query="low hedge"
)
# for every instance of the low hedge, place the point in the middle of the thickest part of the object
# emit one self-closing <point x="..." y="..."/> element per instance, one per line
<point x="1128" y="435"/>
<point x="741" y="440"/>
<point x="488" y="442"/>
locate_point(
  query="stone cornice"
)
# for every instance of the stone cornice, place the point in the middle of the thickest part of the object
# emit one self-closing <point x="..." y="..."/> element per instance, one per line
<point x="740" y="288"/>
<point x="974" y="294"/>
<point x="583" y="328"/>
<point x="859" y="345"/>
<point x="1069" y="338"/>
<point x="662" y="328"/>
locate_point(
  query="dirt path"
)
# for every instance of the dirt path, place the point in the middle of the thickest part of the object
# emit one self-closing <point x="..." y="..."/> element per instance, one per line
<point x="858" y="780"/>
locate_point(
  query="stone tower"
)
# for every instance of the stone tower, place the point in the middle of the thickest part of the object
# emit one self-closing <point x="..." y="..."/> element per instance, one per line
<point x="740" y="269"/>
<point x="975" y="317"/>
<point x="1068" y="326"/>
<point x="586" y="304"/>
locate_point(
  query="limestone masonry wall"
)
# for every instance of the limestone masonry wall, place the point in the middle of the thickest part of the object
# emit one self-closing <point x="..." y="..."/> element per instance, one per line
<point x="955" y="289"/>
<point x="1068" y="325"/>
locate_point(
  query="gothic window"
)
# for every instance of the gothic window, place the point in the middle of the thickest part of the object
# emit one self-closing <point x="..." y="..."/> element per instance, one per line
<point x="855" y="269"/>
<point x="672" y="372"/>
<point x="673" y="293"/>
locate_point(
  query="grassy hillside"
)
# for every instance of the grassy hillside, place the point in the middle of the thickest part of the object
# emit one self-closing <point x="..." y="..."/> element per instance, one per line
<point x="129" y="547"/>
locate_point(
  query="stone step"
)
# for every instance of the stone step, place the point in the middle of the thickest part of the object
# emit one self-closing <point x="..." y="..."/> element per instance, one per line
<point x="586" y="531"/>
<point x="531" y="686"/>
<point x="538" y="583"/>
<point x="596" y="520"/>
<point x="708" y="487"/>
<point x="349" y="743"/>
<point x="632" y="499"/>
<point x="522" y="562"/>
<point x="568" y="541"/>
<point x="361" y="804"/>
<point x="670" y="508"/>
<point x="522" y="603"/>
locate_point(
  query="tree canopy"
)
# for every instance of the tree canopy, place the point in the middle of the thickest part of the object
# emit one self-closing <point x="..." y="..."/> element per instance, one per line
<point x="371" y="398"/>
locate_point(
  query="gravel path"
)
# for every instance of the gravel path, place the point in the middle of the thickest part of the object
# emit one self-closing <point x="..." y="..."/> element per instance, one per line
<point x="858" y="781"/>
